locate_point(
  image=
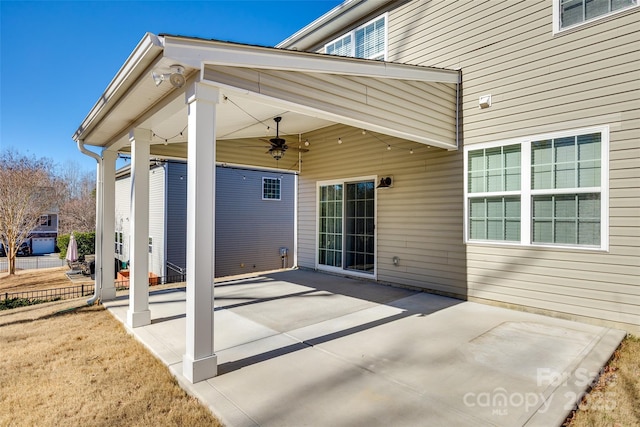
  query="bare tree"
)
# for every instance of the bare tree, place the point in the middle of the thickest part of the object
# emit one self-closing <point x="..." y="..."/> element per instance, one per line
<point x="77" y="199"/>
<point x="27" y="191"/>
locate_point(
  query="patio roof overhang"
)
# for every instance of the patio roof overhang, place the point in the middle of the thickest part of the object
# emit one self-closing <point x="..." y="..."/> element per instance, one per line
<point x="258" y="83"/>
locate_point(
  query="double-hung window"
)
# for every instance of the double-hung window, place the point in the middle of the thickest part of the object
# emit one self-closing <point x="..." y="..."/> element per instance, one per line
<point x="549" y="190"/>
<point x="494" y="188"/>
<point x="368" y="41"/>
<point x="118" y="239"/>
<point x="571" y="13"/>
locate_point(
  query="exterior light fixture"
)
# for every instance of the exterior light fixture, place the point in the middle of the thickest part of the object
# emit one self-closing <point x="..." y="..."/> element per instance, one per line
<point x="339" y="140"/>
<point x="485" y="101"/>
<point x="386" y="182"/>
<point x="175" y="77"/>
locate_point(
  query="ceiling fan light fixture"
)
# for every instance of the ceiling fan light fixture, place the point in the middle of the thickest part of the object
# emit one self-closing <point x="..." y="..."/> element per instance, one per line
<point x="278" y="145"/>
<point x="276" y="153"/>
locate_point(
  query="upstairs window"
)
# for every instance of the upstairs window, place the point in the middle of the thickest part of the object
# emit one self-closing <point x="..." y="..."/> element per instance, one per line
<point x="570" y="13"/>
<point x="368" y="41"/>
<point x="270" y="188"/>
<point x="45" y="221"/>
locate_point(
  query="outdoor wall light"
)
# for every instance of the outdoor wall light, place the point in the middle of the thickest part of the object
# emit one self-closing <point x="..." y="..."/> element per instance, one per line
<point x="386" y="182"/>
<point x="175" y="77"/>
<point x="485" y="101"/>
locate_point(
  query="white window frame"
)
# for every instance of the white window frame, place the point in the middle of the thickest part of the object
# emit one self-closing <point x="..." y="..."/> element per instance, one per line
<point x="556" y="17"/>
<point x="526" y="192"/>
<point x="342" y="270"/>
<point x="352" y="34"/>
<point x="264" y="180"/>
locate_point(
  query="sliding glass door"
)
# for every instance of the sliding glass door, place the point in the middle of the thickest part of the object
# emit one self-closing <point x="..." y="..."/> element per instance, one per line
<point x="346" y="237"/>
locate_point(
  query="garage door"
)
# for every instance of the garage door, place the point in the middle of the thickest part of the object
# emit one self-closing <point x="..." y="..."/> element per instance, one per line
<point x="43" y="245"/>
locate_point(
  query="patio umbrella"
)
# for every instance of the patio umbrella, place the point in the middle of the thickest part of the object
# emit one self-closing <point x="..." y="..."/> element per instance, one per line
<point x="72" y="250"/>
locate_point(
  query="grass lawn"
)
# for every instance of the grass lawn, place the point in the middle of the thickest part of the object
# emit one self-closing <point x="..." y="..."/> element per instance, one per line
<point x="31" y="280"/>
<point x="64" y="363"/>
<point x="615" y="399"/>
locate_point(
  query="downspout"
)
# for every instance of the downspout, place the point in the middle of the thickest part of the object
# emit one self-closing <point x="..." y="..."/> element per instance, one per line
<point x="98" y="245"/>
<point x="458" y="106"/>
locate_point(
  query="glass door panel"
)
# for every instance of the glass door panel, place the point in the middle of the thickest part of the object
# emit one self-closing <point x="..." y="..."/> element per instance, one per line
<point x="359" y="233"/>
<point x="330" y="226"/>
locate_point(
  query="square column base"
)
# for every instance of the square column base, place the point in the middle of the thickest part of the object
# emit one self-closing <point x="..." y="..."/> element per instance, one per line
<point x="138" y="318"/>
<point x="108" y="294"/>
<point x="201" y="369"/>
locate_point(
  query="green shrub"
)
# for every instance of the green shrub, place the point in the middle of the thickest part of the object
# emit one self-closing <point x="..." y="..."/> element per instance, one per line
<point x="86" y="244"/>
<point x="10" y="303"/>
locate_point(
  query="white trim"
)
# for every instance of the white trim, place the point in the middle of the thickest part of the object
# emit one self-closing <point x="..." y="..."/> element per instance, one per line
<point x="556" y="17"/>
<point x="526" y="192"/>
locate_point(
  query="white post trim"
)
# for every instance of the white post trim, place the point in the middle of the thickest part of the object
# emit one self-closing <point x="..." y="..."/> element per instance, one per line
<point x="107" y="268"/>
<point x="200" y="361"/>
<point x="138" y="313"/>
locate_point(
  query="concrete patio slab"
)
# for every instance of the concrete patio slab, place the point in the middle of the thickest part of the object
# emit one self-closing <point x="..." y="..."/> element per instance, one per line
<point x="304" y="348"/>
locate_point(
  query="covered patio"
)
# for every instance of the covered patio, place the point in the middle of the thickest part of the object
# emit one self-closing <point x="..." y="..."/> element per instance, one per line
<point x="211" y="102"/>
<point x="305" y="348"/>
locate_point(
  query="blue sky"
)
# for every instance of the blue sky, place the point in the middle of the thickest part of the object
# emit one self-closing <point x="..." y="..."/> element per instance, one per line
<point x="57" y="57"/>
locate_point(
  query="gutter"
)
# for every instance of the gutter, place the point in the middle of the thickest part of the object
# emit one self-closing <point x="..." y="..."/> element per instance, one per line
<point x="98" y="244"/>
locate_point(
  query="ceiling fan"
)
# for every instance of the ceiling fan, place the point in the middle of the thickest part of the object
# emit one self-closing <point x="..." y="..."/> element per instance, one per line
<point x="279" y="145"/>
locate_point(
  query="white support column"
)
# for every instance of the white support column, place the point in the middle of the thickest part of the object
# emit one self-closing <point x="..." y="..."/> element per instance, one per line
<point x="99" y="227"/>
<point x="138" y="313"/>
<point x="200" y="361"/>
<point x="107" y="270"/>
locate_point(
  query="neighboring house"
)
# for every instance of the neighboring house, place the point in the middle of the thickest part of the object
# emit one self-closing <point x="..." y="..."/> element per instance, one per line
<point x="42" y="239"/>
<point x="248" y="203"/>
<point x="506" y="135"/>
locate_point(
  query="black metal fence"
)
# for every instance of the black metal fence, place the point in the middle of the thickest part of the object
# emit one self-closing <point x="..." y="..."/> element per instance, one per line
<point x="78" y="291"/>
<point x="51" y="294"/>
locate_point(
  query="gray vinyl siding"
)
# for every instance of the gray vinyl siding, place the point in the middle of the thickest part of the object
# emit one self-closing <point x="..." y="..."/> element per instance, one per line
<point x="249" y="230"/>
<point x="157" y="190"/>
<point x="419" y="220"/>
<point x="176" y="216"/>
<point x="542" y="83"/>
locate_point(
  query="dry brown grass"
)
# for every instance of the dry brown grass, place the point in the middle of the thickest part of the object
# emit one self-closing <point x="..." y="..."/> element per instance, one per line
<point x="64" y="363"/>
<point x="615" y="399"/>
<point x="31" y="280"/>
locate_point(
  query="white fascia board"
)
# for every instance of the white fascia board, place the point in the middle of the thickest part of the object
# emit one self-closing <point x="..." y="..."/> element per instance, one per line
<point x="149" y="46"/>
<point x="197" y="53"/>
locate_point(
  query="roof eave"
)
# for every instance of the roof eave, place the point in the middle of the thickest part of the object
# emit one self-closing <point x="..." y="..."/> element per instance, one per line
<point x="331" y="22"/>
<point x="197" y="53"/>
<point x="147" y="50"/>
